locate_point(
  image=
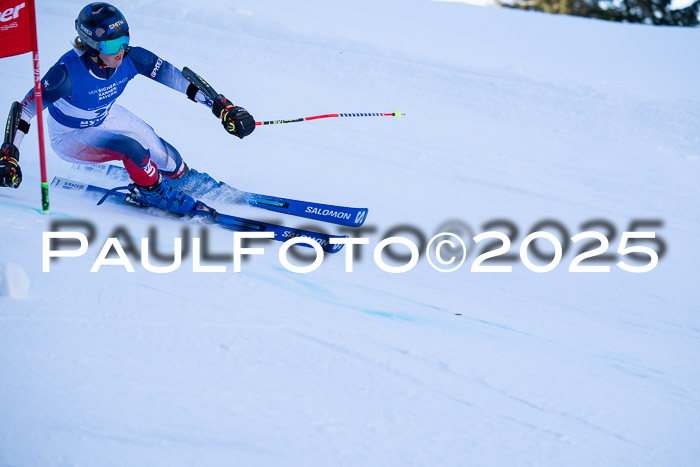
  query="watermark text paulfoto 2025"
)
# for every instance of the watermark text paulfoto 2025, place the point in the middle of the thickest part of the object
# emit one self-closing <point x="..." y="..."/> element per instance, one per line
<point x="398" y="249"/>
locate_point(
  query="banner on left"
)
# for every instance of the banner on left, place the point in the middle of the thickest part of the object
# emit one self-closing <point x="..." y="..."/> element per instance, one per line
<point x="15" y="28"/>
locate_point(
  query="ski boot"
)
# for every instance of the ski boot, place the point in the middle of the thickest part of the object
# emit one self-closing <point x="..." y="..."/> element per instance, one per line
<point x="162" y="195"/>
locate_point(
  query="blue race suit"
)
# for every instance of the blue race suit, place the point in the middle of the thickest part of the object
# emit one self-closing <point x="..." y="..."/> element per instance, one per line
<point x="85" y="124"/>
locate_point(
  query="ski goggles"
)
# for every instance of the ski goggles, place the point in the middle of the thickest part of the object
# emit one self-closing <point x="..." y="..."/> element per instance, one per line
<point x="112" y="47"/>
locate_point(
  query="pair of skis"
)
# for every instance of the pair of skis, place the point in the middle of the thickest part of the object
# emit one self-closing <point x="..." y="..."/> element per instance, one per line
<point x="352" y="217"/>
<point x="332" y="213"/>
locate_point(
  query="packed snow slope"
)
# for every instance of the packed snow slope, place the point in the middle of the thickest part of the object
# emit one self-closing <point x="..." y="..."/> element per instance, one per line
<point x="510" y="116"/>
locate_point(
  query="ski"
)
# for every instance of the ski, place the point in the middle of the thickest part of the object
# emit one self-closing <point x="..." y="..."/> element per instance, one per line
<point x="331" y="213"/>
<point x="281" y="233"/>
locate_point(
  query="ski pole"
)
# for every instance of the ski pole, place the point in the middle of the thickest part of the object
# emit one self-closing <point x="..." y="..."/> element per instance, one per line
<point x="208" y="91"/>
<point x="304" y="119"/>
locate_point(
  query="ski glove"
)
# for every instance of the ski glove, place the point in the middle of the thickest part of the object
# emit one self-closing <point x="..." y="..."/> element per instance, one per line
<point x="236" y="120"/>
<point x="10" y="173"/>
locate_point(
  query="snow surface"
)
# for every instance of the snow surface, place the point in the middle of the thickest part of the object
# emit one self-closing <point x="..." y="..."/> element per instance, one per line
<point x="510" y="115"/>
<point x="14" y="282"/>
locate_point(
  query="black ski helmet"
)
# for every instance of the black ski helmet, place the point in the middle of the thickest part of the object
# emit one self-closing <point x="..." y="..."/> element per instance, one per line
<point x="102" y="28"/>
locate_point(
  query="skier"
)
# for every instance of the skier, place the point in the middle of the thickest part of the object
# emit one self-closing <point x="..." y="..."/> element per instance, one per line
<point x="86" y="126"/>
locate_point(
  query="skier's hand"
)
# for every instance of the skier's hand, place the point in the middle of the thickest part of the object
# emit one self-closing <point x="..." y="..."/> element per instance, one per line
<point x="10" y="173"/>
<point x="236" y="120"/>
